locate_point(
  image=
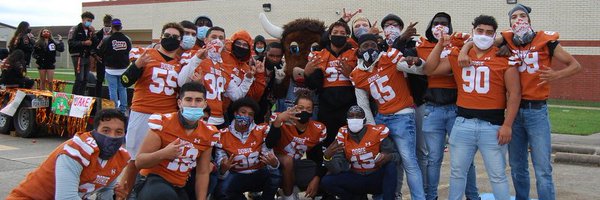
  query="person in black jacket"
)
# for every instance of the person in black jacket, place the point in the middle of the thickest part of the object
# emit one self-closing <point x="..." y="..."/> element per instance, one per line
<point x="23" y="40"/>
<point x="80" y="44"/>
<point x="115" y="52"/>
<point x="102" y="34"/>
<point x="13" y="72"/>
<point x="44" y="53"/>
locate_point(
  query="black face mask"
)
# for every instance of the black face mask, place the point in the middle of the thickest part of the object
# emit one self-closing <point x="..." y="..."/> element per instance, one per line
<point x="369" y="56"/>
<point x="304" y="117"/>
<point x="109" y="146"/>
<point x="240" y="53"/>
<point x="271" y="66"/>
<point x="338" y="40"/>
<point x="170" y="43"/>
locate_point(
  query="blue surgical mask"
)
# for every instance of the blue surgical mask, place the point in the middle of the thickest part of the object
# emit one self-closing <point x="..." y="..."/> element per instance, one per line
<point x="192" y="113"/>
<point x="87" y="23"/>
<point x="243" y="120"/>
<point x="260" y="50"/>
<point x="201" y="32"/>
<point x="108" y="146"/>
<point x="188" y="42"/>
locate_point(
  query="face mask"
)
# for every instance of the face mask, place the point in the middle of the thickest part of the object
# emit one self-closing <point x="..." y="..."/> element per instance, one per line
<point x="360" y="31"/>
<point x="391" y="33"/>
<point x="439" y="30"/>
<point x="46" y="35"/>
<point x="87" y="23"/>
<point x="108" y="146"/>
<point x="188" y="42"/>
<point x="214" y="49"/>
<point x="259" y="50"/>
<point x="192" y="114"/>
<point x="355" y="125"/>
<point x="523" y="32"/>
<point x="304" y="117"/>
<point x="240" y="53"/>
<point x="170" y="44"/>
<point x="483" y="42"/>
<point x="243" y="120"/>
<point x="338" y="40"/>
<point x="107" y="29"/>
<point x="201" y="32"/>
<point x="369" y="56"/>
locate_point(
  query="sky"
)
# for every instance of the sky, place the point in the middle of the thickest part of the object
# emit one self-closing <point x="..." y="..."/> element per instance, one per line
<point x="41" y="12"/>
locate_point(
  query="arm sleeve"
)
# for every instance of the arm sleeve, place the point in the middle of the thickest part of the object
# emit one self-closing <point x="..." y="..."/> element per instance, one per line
<point x="258" y="87"/>
<point x="107" y="192"/>
<point x="316" y="154"/>
<point x="188" y="70"/>
<point x="131" y="75"/>
<point x="273" y="137"/>
<point x="315" y="80"/>
<point x="237" y="92"/>
<point x="362" y="99"/>
<point x="73" y="43"/>
<point x="338" y="163"/>
<point x="220" y="154"/>
<point x="67" y="173"/>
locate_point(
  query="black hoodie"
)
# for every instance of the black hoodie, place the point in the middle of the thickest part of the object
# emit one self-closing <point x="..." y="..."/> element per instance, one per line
<point x="429" y="34"/>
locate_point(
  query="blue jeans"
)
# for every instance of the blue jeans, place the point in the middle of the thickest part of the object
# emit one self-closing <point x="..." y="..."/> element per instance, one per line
<point x="531" y="129"/>
<point x="349" y="185"/>
<point x="233" y="186"/>
<point x="402" y="132"/>
<point x="422" y="150"/>
<point x="117" y="92"/>
<point x="468" y="136"/>
<point x="438" y="122"/>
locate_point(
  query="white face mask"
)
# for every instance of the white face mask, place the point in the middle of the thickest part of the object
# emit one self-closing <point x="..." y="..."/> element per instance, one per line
<point x="355" y="125"/>
<point x="214" y="49"/>
<point x="439" y="30"/>
<point x="391" y="33"/>
<point x="483" y="42"/>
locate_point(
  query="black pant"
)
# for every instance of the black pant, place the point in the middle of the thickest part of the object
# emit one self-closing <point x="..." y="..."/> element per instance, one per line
<point x="99" y="78"/>
<point x="157" y="188"/>
<point x="83" y="63"/>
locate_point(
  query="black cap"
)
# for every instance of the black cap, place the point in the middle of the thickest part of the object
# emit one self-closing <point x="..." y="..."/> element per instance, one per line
<point x="392" y="17"/>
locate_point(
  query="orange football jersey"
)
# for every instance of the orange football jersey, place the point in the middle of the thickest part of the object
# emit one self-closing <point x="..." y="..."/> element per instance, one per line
<point x="245" y="154"/>
<point x="237" y="70"/>
<point x="362" y="155"/>
<point x="424" y="48"/>
<point x="294" y="144"/>
<point x="156" y="89"/>
<point x="186" y="56"/>
<point x="40" y="184"/>
<point x="216" y="80"/>
<point x="481" y="85"/>
<point x="169" y="128"/>
<point x="533" y="57"/>
<point x="386" y="84"/>
<point x="333" y="77"/>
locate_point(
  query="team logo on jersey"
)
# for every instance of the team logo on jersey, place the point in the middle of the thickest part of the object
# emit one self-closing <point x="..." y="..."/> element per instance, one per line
<point x="196" y="140"/>
<point x="359" y="151"/>
<point x="102" y="180"/>
<point x="368" y="144"/>
<point x="113" y="171"/>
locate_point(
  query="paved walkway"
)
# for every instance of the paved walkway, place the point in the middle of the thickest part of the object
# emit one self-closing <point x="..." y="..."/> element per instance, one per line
<point x="574" y="107"/>
<point x="577" y="140"/>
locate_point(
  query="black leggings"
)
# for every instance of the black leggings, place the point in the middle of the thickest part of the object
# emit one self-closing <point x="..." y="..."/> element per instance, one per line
<point x="157" y="188"/>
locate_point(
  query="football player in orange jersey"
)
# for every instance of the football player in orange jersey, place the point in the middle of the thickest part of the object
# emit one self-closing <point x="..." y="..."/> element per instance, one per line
<point x="382" y="76"/>
<point x="292" y="135"/>
<point x="327" y="73"/>
<point x="176" y="143"/>
<point x="361" y="157"/>
<point x="236" y="58"/>
<point x="488" y="101"/>
<point x="86" y="164"/>
<point x="154" y="73"/>
<point x="440" y="107"/>
<point x="245" y="162"/>
<point x="208" y="67"/>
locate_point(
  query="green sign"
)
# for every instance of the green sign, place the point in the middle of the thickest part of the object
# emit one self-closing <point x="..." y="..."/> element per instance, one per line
<point x="61" y="103"/>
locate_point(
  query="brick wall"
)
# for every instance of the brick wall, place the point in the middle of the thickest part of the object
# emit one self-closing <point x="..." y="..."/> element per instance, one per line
<point x="582" y="86"/>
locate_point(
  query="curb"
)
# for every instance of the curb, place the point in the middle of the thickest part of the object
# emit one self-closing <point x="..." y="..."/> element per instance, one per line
<point x="575" y="149"/>
<point x="573" y="158"/>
